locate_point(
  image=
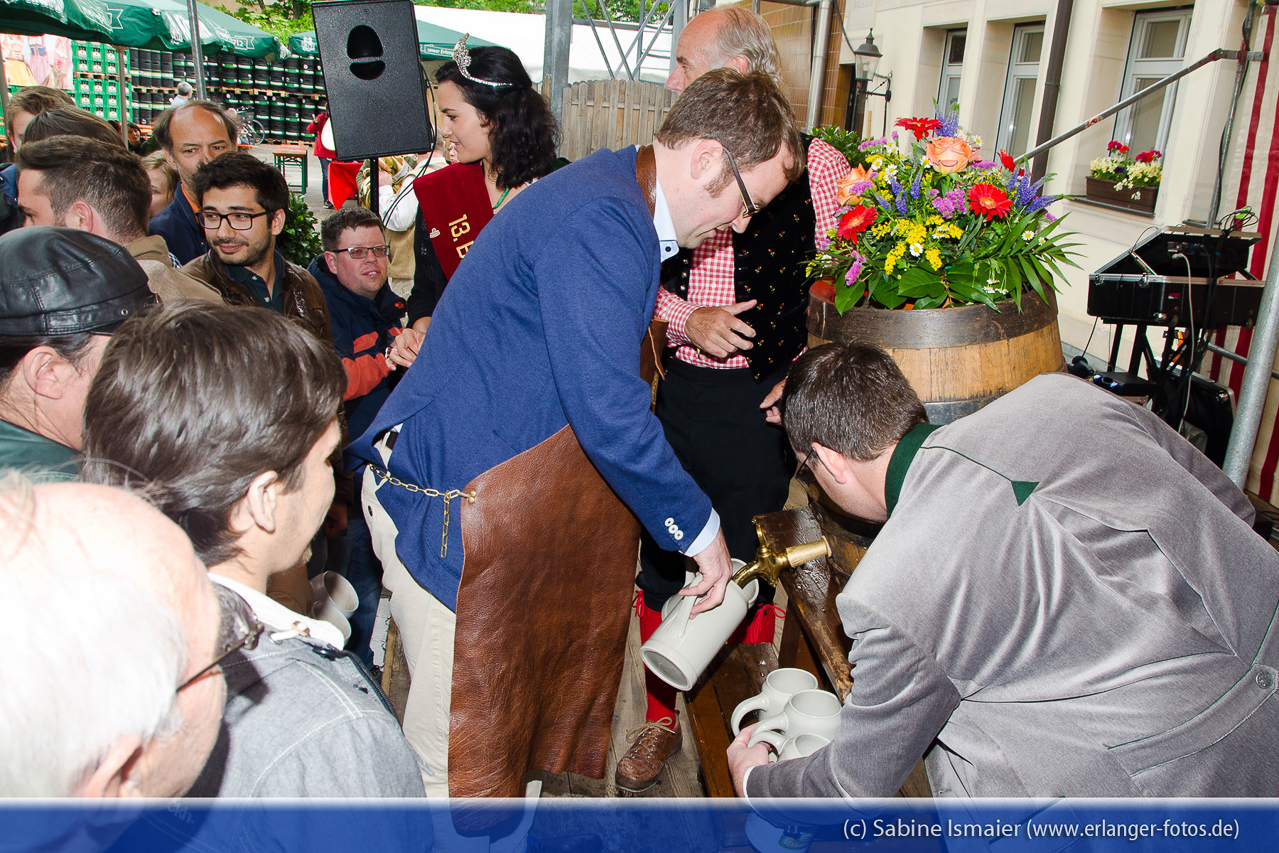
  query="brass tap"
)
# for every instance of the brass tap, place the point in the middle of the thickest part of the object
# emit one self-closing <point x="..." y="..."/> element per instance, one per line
<point x="769" y="563"/>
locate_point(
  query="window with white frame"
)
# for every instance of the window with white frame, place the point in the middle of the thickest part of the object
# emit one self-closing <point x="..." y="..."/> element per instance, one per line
<point x="952" y="66"/>
<point x="1019" y="89"/>
<point x="1157" y="49"/>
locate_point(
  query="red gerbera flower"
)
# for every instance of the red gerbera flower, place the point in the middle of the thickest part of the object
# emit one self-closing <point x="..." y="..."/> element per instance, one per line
<point x="855" y="222"/>
<point x="989" y="201"/>
<point x="1006" y="160"/>
<point x="1148" y="156"/>
<point x="919" y="126"/>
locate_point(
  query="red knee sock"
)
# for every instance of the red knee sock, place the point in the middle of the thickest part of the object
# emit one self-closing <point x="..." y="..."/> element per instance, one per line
<point x="661" y="696"/>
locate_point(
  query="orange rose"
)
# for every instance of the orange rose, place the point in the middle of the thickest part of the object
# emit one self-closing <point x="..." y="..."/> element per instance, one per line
<point x="949" y="153"/>
<point x="843" y="186"/>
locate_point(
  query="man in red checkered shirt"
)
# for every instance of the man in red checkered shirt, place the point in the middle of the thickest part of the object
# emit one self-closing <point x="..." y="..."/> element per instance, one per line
<point x="736" y="307"/>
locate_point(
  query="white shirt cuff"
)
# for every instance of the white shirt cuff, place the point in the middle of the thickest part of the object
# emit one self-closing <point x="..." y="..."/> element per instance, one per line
<point x="706" y="537"/>
<point x="746" y="778"/>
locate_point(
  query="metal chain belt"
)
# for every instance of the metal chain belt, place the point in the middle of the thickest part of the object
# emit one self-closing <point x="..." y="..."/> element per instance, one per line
<point x="448" y="496"/>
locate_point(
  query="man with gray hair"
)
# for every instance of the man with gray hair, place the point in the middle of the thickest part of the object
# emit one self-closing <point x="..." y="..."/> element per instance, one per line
<point x="110" y="683"/>
<point x="190" y="135"/>
<point x="736" y="307"/>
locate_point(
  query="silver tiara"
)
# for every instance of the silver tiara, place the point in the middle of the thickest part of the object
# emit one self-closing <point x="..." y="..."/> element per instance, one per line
<point x="462" y="57"/>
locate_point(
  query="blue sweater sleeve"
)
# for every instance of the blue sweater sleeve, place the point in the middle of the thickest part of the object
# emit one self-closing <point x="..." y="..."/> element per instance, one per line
<point x="597" y="286"/>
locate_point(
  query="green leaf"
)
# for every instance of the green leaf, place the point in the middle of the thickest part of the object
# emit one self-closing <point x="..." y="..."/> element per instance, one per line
<point x="917" y="281"/>
<point x="846" y="296"/>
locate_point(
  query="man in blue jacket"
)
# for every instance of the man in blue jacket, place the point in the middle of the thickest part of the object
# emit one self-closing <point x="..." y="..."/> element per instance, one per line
<point x="513" y="453"/>
<point x="190" y="135"/>
<point x="366" y="316"/>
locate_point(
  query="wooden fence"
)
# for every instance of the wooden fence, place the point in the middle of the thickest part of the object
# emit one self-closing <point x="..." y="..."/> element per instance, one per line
<point x="611" y="114"/>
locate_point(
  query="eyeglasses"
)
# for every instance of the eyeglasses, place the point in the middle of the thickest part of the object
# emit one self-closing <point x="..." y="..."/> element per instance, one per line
<point x="359" y="253"/>
<point x="240" y="629"/>
<point x="212" y="220"/>
<point x="748" y="207"/>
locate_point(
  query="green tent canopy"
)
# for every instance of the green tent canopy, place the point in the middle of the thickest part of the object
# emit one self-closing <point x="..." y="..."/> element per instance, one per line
<point x="166" y="25"/>
<point x="434" y="42"/>
<point x="88" y="20"/>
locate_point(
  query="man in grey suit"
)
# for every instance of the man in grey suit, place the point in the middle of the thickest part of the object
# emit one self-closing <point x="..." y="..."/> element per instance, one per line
<point x="1065" y="599"/>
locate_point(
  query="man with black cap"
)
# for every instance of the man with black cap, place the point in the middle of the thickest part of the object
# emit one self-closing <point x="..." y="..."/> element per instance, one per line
<point x="65" y="292"/>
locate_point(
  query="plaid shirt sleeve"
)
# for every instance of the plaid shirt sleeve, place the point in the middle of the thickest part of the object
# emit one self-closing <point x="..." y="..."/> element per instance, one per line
<point x="710" y="284"/>
<point x="825" y="166"/>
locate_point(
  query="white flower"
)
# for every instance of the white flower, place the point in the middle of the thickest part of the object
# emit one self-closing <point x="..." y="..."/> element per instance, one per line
<point x="1028" y="235"/>
<point x="916" y="249"/>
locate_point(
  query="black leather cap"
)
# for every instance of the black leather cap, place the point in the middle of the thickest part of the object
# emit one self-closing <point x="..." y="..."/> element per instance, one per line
<point x="59" y="281"/>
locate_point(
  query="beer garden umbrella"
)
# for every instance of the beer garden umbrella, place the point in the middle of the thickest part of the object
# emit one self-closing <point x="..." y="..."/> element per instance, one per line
<point x="166" y="25"/>
<point x="434" y="42"/>
<point x="77" y="19"/>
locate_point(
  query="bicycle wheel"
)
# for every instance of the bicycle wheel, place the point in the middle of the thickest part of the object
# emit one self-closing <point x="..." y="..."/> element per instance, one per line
<point x="252" y="132"/>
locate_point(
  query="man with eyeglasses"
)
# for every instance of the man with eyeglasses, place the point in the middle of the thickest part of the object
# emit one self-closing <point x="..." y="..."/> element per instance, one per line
<point x="366" y="316"/>
<point x="242" y="203"/>
<point x="736" y="308"/>
<point x="516" y="459"/>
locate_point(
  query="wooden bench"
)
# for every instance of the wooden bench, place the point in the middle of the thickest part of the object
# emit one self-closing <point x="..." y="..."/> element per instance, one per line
<point x="291" y="155"/>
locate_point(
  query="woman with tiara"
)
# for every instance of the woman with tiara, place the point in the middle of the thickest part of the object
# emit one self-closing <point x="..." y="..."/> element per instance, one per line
<point x="503" y="137"/>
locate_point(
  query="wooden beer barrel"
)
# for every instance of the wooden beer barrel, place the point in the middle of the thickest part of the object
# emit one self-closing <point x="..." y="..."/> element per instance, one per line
<point x="957" y="359"/>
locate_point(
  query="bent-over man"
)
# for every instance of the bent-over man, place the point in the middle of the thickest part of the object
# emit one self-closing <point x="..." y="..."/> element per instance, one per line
<point x="1066" y="598"/>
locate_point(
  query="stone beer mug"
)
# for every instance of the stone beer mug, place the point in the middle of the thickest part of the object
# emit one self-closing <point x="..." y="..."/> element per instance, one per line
<point x="799" y="747"/>
<point x="813" y="712"/>
<point x="779" y="686"/>
<point x="681" y="648"/>
<point x="330" y="586"/>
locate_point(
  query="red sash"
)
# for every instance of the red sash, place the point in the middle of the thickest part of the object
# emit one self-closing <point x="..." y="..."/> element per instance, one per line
<point x="455" y="205"/>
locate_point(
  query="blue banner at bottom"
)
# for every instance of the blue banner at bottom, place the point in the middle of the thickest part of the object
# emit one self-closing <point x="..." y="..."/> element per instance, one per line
<point x="635" y="825"/>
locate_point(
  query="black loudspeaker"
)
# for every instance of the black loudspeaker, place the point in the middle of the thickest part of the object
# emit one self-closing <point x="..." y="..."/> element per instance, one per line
<point x="373" y="78"/>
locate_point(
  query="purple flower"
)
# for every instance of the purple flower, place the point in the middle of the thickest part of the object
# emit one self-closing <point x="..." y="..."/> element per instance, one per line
<point x="944" y="206"/>
<point x="949" y="119"/>
<point x="901" y="205"/>
<point x="1041" y="203"/>
<point x="914" y="187"/>
<point x="823" y="242"/>
<point x="984" y="164"/>
<point x="862" y="186"/>
<point x="932" y="193"/>
<point x="855" y="271"/>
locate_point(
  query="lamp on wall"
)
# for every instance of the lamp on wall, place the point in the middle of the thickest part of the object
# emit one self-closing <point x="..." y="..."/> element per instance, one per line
<point x="865" y="67"/>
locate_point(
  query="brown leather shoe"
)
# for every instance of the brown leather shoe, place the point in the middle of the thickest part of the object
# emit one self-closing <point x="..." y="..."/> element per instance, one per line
<point x="654" y="743"/>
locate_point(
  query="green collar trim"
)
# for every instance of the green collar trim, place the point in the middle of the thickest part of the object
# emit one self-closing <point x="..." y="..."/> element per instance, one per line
<point x="904" y="454"/>
<point x="899" y="464"/>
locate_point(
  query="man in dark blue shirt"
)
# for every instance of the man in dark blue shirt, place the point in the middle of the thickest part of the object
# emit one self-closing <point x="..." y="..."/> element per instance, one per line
<point x="190" y="136"/>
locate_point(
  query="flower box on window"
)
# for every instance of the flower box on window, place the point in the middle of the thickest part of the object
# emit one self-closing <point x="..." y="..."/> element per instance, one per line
<point x="1136" y="199"/>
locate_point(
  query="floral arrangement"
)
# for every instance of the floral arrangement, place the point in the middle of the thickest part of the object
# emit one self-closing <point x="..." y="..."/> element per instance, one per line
<point x="925" y="224"/>
<point x="1127" y="172"/>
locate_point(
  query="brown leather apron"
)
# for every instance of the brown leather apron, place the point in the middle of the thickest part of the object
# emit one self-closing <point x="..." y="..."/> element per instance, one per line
<point x="542" y="610"/>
